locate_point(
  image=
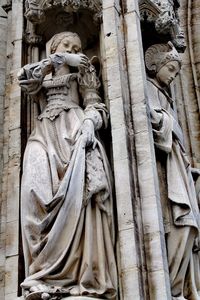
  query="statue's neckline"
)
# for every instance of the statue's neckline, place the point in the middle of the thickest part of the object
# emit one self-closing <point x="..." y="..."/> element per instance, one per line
<point x="156" y="84"/>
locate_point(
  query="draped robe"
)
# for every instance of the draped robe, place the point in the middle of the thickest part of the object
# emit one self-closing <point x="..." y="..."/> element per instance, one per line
<point x="66" y="195"/>
<point x="180" y="209"/>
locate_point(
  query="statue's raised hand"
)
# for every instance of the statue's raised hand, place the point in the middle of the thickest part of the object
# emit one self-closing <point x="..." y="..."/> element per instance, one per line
<point x="76" y="60"/>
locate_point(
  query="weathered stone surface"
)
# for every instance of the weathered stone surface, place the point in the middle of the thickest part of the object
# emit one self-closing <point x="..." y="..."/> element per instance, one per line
<point x="12" y="238"/>
<point x="11" y="276"/>
<point x="143" y="270"/>
<point x="148" y="186"/>
<point x="2" y="295"/>
<point x="80" y="298"/>
<point x="117" y="94"/>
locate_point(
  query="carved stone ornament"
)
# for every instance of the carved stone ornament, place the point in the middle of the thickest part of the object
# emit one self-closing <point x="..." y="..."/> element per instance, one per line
<point x="164" y="14"/>
<point x="36" y="10"/>
<point x="7" y="6"/>
<point x="149" y="11"/>
<point x="166" y="19"/>
<point x="30" y="36"/>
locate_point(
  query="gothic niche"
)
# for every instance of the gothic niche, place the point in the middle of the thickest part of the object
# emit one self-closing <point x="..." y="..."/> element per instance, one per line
<point x="44" y="19"/>
<point x="64" y="84"/>
<point x="36" y="10"/>
<point x="82" y="17"/>
<point x="66" y="191"/>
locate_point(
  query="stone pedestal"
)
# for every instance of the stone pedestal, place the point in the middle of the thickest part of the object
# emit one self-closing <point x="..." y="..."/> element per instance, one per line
<point x="81" y="298"/>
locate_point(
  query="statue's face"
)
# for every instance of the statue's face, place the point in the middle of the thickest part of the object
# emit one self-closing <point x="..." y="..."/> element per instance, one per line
<point x="70" y="44"/>
<point x="167" y="73"/>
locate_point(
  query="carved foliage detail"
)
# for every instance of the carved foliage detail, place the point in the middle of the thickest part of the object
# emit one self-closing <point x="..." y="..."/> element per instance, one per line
<point x="35" y="9"/>
<point x="149" y="10"/>
<point x="164" y="14"/>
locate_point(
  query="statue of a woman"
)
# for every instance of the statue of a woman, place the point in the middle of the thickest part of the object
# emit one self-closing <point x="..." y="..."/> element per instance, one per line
<point x="177" y="192"/>
<point x="66" y="195"/>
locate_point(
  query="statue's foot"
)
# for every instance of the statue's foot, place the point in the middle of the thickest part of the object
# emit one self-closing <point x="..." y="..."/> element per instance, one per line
<point x="45" y="296"/>
<point x="75" y="291"/>
<point x="37" y="296"/>
<point x="38" y="292"/>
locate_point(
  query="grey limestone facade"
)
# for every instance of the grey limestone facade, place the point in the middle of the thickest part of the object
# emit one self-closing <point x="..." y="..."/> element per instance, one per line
<point x="118" y="32"/>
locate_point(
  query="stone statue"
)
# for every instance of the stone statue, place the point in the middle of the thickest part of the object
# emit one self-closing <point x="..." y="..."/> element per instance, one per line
<point x="179" y="203"/>
<point x="66" y="194"/>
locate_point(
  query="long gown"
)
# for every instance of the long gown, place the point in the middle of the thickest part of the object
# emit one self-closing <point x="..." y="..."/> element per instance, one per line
<point x="66" y="194"/>
<point x="180" y="209"/>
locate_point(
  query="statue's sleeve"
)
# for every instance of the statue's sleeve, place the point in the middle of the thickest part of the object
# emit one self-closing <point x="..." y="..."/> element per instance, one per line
<point x="163" y="131"/>
<point x="94" y="109"/>
<point x="31" y="76"/>
<point x="163" y="135"/>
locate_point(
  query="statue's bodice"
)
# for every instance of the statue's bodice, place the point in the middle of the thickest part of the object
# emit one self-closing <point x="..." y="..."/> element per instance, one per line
<point x="61" y="94"/>
<point x="63" y="88"/>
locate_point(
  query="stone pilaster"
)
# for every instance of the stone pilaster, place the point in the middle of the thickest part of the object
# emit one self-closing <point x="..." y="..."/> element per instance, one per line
<point x="3" y="44"/>
<point x="13" y="96"/>
<point x="118" y="96"/>
<point x="154" y="242"/>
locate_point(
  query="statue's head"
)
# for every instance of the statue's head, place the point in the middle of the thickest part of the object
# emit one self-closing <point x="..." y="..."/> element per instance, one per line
<point x="65" y="42"/>
<point x="163" y="62"/>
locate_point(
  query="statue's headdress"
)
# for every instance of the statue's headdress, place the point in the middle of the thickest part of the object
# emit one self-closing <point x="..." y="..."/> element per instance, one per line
<point x="159" y="55"/>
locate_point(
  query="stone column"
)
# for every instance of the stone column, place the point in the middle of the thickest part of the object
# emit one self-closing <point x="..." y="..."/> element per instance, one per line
<point x="14" y="154"/>
<point x="188" y="87"/>
<point x="118" y="99"/>
<point x="3" y="44"/>
<point x="157" y="285"/>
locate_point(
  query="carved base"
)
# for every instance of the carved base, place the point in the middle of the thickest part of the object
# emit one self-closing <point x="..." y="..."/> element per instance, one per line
<point x="81" y="298"/>
<point x="44" y="296"/>
<point x="33" y="296"/>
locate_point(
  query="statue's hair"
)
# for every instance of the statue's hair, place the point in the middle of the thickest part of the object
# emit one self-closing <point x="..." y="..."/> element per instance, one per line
<point x="57" y="38"/>
<point x="159" y="55"/>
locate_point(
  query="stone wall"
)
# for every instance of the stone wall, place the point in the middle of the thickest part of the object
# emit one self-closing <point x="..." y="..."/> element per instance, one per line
<point x="3" y="33"/>
<point x="188" y="90"/>
<point x="11" y="149"/>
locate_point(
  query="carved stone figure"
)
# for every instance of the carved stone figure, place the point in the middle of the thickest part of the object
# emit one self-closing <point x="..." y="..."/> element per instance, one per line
<point x="177" y="192"/>
<point x="66" y="195"/>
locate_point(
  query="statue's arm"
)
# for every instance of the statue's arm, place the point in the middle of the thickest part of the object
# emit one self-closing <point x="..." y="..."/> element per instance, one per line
<point x="164" y="123"/>
<point x="31" y="76"/>
<point x="162" y="130"/>
<point x="94" y="109"/>
<point x="161" y="120"/>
